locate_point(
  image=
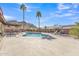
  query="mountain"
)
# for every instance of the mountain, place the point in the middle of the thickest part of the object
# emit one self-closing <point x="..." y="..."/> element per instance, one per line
<point x="21" y="23"/>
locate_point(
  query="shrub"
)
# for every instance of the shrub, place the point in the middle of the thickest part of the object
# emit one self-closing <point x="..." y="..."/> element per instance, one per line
<point x="75" y="31"/>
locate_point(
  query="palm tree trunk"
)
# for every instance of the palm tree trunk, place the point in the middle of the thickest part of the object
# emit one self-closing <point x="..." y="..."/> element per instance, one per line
<point x="39" y="24"/>
<point x="23" y="19"/>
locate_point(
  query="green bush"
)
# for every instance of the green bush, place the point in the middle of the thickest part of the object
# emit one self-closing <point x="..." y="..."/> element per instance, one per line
<point x="75" y="31"/>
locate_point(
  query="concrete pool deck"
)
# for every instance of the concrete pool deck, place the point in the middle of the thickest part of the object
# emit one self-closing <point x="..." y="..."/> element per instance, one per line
<point x="22" y="46"/>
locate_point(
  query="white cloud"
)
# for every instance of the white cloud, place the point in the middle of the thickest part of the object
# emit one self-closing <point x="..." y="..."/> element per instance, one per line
<point x="55" y="15"/>
<point x="8" y="17"/>
<point x="19" y="3"/>
<point x="46" y="18"/>
<point x="61" y="6"/>
<point x="75" y="5"/>
<point x="28" y="8"/>
<point x="73" y="11"/>
<point x="62" y="15"/>
<point x="74" y="18"/>
<point x="25" y="5"/>
<point x="68" y="14"/>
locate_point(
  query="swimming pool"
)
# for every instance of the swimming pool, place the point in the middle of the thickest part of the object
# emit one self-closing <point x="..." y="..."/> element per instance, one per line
<point x="37" y="34"/>
<point x="33" y="34"/>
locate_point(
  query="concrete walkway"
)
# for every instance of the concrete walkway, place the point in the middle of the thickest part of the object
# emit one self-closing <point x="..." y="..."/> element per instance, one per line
<point x="38" y="47"/>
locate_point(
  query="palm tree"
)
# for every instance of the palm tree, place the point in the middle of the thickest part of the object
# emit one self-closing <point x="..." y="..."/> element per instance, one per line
<point x="38" y="15"/>
<point x="23" y="8"/>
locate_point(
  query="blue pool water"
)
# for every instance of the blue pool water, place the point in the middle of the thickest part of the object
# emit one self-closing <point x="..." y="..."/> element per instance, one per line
<point x="34" y="34"/>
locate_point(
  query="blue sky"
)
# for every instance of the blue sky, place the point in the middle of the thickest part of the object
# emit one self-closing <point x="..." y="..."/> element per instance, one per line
<point x="52" y="13"/>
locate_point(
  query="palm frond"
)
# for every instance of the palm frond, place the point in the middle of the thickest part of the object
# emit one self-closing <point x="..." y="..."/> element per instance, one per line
<point x="38" y="14"/>
<point x="23" y="7"/>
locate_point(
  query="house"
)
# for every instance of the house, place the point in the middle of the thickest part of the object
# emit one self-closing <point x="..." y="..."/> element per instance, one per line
<point x="63" y="29"/>
<point x="15" y="26"/>
<point x="66" y="28"/>
<point x="11" y="26"/>
<point x="2" y="22"/>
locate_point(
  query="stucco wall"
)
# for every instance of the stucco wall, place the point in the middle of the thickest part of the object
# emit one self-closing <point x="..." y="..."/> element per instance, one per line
<point x="1" y="27"/>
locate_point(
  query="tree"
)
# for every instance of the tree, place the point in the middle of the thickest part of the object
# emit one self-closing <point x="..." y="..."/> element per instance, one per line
<point x="45" y="27"/>
<point x="38" y="15"/>
<point x="23" y="8"/>
<point x="75" y="30"/>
